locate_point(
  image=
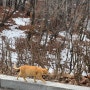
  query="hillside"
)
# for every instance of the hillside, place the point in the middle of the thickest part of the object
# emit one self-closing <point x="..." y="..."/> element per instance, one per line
<point x="53" y="35"/>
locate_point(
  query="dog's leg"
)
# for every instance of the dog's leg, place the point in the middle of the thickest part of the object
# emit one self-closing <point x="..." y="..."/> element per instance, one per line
<point x="35" y="79"/>
<point x="42" y="80"/>
<point x="39" y="76"/>
<point x="18" y="76"/>
<point x="24" y="79"/>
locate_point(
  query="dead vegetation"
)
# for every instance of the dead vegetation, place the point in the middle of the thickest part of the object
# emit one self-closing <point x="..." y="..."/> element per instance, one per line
<point x="48" y="20"/>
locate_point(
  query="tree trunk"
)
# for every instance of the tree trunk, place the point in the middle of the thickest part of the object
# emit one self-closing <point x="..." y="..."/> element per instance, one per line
<point x="4" y="3"/>
<point x="1" y="2"/>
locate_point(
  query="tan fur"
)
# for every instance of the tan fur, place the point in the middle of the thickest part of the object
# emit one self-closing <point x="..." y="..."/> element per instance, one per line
<point x="34" y="71"/>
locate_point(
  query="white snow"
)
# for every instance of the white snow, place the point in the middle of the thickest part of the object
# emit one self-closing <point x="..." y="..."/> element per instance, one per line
<point x="12" y="33"/>
<point x="22" y="21"/>
<point x="84" y="73"/>
<point x="14" y="56"/>
<point x="64" y="55"/>
<point x="62" y="33"/>
<point x="50" y="70"/>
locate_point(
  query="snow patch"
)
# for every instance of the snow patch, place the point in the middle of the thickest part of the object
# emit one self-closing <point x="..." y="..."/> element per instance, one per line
<point x="13" y="33"/>
<point x="22" y="21"/>
<point x="14" y="56"/>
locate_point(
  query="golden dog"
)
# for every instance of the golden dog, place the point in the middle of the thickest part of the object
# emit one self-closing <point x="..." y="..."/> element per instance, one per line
<point x="36" y="72"/>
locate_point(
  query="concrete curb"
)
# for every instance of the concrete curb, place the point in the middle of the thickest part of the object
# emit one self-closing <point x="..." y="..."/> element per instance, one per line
<point x="13" y="84"/>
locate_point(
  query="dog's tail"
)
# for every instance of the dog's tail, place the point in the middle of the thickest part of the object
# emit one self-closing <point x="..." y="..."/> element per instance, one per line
<point x="15" y="67"/>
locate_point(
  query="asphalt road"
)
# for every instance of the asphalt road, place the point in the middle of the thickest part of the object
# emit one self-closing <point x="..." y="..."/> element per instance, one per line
<point x="5" y="89"/>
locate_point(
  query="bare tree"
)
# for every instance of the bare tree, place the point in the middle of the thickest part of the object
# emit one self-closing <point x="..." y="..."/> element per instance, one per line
<point x="9" y="13"/>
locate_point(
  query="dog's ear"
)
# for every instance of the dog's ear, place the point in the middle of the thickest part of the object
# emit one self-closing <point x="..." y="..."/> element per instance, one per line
<point x="46" y="69"/>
